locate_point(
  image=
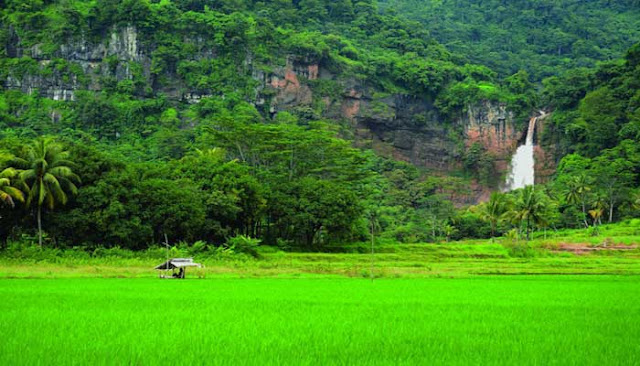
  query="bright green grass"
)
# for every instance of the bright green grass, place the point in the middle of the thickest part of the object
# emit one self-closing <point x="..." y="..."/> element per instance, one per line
<point x="540" y="320"/>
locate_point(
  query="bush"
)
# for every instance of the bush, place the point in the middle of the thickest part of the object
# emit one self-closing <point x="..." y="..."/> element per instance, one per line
<point x="517" y="247"/>
<point x="522" y="250"/>
<point x="244" y="244"/>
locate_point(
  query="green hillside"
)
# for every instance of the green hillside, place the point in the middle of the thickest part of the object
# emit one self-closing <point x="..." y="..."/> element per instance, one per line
<point x="307" y="125"/>
<point x="542" y="37"/>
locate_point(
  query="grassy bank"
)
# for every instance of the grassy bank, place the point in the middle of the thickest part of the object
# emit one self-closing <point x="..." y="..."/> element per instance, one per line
<point x="615" y="251"/>
<point x="416" y="260"/>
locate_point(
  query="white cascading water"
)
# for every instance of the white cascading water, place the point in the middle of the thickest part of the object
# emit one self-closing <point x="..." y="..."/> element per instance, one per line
<point x="522" y="172"/>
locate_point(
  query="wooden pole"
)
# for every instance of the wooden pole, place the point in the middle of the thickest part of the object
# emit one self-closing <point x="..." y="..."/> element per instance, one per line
<point x="166" y="243"/>
<point x="372" y="242"/>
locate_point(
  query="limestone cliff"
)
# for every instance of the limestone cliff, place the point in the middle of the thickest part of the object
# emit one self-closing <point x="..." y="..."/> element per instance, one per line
<point x="110" y="58"/>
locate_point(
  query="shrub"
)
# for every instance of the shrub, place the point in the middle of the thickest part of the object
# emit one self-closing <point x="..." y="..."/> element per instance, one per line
<point x="244" y="244"/>
<point x="517" y="248"/>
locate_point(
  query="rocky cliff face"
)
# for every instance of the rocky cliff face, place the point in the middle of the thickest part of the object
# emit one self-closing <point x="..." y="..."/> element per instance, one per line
<point x="492" y="125"/>
<point x="406" y="127"/>
<point x="95" y="60"/>
<point x="544" y="154"/>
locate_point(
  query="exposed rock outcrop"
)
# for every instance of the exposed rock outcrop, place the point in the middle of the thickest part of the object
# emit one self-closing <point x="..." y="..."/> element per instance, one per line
<point x="544" y="154"/>
<point x="492" y="125"/>
<point x="95" y="60"/>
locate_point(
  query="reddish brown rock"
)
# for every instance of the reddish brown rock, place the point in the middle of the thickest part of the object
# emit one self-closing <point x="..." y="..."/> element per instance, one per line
<point x="313" y="72"/>
<point x="290" y="91"/>
<point x="350" y="108"/>
<point x="544" y="155"/>
<point x="491" y="125"/>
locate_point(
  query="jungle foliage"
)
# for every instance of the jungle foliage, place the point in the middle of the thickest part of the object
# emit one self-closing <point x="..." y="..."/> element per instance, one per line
<point x="151" y="164"/>
<point x="544" y="37"/>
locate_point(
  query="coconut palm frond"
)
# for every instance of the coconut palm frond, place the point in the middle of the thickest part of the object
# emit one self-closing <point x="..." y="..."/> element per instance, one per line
<point x="55" y="189"/>
<point x="51" y="180"/>
<point x="27" y="175"/>
<point x="6" y="199"/>
<point x="42" y="192"/>
<point x="68" y="186"/>
<point x="60" y="171"/>
<point x="14" y="192"/>
<point x="9" y="173"/>
<point x="19" y="162"/>
<point x="62" y="162"/>
<point x="50" y="201"/>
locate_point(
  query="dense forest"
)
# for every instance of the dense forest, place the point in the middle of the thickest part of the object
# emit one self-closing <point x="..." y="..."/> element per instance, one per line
<point x="544" y="37"/>
<point x="125" y="122"/>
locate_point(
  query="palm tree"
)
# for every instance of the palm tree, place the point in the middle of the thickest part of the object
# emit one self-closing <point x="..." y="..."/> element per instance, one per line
<point x="8" y="193"/>
<point x="529" y="207"/>
<point x="448" y="231"/>
<point x="599" y="204"/>
<point x="596" y="214"/>
<point x="494" y="210"/>
<point x="46" y="173"/>
<point x="576" y="192"/>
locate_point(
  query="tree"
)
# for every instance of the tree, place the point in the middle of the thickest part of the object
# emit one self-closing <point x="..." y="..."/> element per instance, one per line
<point x="494" y="210"/>
<point x="602" y="112"/>
<point x="109" y="211"/>
<point x="46" y="173"/>
<point x="596" y="215"/>
<point x="233" y="198"/>
<point x="478" y="161"/>
<point x="615" y="173"/>
<point x="314" y="212"/>
<point x="173" y="207"/>
<point x="448" y="230"/>
<point x="8" y="193"/>
<point x="598" y="205"/>
<point x="530" y="207"/>
<point x="576" y="193"/>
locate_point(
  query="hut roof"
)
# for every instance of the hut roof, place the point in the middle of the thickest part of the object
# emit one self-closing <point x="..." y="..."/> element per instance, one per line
<point x="178" y="263"/>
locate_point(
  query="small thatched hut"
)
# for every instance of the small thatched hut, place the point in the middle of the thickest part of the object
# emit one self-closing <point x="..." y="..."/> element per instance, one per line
<point x="179" y="264"/>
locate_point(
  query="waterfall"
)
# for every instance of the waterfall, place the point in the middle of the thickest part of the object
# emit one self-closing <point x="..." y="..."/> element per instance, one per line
<point x="522" y="172"/>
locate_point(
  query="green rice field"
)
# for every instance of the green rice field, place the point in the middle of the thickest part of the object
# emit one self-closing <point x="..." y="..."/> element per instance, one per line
<point x="480" y="320"/>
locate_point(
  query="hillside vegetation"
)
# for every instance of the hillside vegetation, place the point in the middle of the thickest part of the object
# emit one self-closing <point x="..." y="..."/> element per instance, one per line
<point x="167" y="120"/>
<point x="544" y="37"/>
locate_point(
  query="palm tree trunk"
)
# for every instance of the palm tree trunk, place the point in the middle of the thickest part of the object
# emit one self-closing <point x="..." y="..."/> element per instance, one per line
<point x="493" y="232"/>
<point x="40" y="226"/>
<point x="584" y="215"/>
